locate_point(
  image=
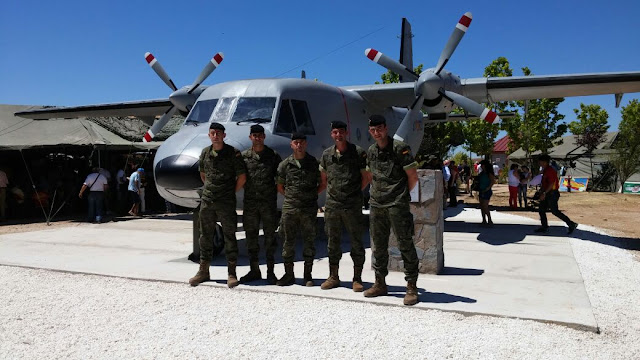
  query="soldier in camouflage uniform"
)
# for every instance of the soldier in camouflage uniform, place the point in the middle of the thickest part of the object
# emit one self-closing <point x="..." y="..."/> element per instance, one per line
<point x="222" y="172"/>
<point x="260" y="203"/>
<point x="299" y="181"/>
<point x="394" y="174"/>
<point x="343" y="168"/>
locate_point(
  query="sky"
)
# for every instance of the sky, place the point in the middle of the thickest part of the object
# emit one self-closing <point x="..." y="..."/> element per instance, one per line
<point x="86" y="52"/>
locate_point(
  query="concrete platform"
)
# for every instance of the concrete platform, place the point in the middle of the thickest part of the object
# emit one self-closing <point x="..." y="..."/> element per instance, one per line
<point x="503" y="271"/>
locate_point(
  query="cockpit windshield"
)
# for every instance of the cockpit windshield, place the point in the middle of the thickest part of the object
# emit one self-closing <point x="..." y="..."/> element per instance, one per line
<point x="201" y="112"/>
<point x="254" y="109"/>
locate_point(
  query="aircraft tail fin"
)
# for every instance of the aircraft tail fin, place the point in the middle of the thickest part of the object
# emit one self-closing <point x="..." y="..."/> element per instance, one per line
<point x="406" y="48"/>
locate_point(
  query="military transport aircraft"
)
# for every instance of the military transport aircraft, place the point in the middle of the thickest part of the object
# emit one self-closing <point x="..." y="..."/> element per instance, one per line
<point x="287" y="105"/>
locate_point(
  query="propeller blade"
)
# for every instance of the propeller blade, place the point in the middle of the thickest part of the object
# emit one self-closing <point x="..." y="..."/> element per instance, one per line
<point x="208" y="69"/>
<point x="406" y="126"/>
<point x="155" y="65"/>
<point x="454" y="40"/>
<point x="159" y="124"/>
<point x="390" y="64"/>
<point x="472" y="107"/>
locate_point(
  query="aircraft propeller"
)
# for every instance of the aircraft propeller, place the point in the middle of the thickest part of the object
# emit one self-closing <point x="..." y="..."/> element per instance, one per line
<point x="429" y="85"/>
<point x="182" y="99"/>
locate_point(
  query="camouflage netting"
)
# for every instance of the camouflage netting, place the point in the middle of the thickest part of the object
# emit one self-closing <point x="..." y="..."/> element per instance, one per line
<point x="133" y="129"/>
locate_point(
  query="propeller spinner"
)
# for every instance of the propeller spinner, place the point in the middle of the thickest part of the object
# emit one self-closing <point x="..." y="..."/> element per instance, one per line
<point x="182" y="99"/>
<point x="429" y="85"/>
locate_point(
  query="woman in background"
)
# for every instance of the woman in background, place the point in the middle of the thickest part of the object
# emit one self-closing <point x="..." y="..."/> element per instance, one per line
<point x="486" y="179"/>
<point x="513" y="178"/>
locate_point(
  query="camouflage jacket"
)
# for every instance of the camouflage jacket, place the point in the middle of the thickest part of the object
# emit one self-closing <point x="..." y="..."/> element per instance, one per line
<point x="301" y="179"/>
<point x="344" y="176"/>
<point x="389" y="184"/>
<point x="262" y="171"/>
<point x="221" y="169"/>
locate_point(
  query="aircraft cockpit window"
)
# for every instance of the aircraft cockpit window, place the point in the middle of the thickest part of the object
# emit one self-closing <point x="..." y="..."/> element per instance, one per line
<point x="294" y="115"/>
<point x="201" y="112"/>
<point x="222" y="111"/>
<point x="254" y="109"/>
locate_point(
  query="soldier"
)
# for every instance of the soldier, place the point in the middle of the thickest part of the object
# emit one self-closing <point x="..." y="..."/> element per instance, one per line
<point x="394" y="174"/>
<point x="299" y="181"/>
<point x="223" y="174"/>
<point x="260" y="203"/>
<point x="343" y="168"/>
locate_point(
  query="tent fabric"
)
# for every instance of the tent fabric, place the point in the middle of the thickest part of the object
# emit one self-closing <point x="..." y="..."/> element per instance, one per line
<point x="18" y="133"/>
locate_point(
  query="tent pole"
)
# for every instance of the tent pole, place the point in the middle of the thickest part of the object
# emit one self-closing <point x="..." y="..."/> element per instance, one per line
<point x="33" y="185"/>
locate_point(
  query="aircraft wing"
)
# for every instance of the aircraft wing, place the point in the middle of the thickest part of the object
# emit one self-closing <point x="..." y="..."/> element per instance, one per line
<point x="386" y="95"/>
<point x="488" y="90"/>
<point x="142" y="109"/>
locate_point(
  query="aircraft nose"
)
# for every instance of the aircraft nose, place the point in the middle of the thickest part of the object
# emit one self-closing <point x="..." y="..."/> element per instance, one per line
<point x="178" y="172"/>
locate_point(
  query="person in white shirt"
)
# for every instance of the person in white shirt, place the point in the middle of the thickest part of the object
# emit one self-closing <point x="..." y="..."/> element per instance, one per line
<point x="4" y="181"/>
<point x="525" y="176"/>
<point x="97" y="184"/>
<point x="513" y="178"/>
<point x="496" y="170"/>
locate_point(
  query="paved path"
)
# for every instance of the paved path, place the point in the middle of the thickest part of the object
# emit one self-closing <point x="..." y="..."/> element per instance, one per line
<point x="504" y="271"/>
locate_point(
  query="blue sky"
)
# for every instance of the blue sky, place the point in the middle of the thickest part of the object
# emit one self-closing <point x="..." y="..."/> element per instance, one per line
<point x="84" y="52"/>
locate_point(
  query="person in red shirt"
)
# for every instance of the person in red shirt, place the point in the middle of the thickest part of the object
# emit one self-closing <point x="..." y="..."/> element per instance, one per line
<point x="549" y="196"/>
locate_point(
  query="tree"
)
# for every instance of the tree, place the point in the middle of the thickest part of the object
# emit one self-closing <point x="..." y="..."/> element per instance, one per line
<point x="480" y="136"/>
<point x="460" y="156"/>
<point x="537" y="124"/>
<point x="391" y="77"/>
<point x="626" y="159"/>
<point x="590" y="129"/>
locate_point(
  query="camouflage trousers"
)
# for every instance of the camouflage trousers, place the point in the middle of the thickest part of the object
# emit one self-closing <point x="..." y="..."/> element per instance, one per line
<point x="253" y="213"/>
<point x="351" y="219"/>
<point x="296" y="221"/>
<point x="400" y="219"/>
<point x="225" y="213"/>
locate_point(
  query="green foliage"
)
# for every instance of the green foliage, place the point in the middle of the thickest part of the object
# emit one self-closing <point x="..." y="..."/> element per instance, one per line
<point x="440" y="138"/>
<point x="390" y="77"/>
<point x="460" y="156"/>
<point x="626" y="159"/>
<point x="591" y="127"/>
<point x="540" y="128"/>
<point x="479" y="136"/>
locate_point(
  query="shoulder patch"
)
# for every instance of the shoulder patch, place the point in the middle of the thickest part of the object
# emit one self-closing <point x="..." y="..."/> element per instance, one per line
<point x="405" y="152"/>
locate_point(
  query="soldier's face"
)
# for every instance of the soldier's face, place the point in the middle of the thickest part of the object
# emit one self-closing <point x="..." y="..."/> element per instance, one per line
<point x="378" y="132"/>
<point x="339" y="135"/>
<point x="257" y="139"/>
<point x="216" y="136"/>
<point x="299" y="146"/>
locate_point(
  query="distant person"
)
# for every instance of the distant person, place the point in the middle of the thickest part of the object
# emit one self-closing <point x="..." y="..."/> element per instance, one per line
<point x="513" y="179"/>
<point x="476" y="168"/>
<point x="486" y="179"/>
<point x="446" y="176"/>
<point x="453" y="184"/>
<point x="549" y="196"/>
<point x="143" y="185"/>
<point x="525" y="177"/>
<point x="4" y="181"/>
<point x="496" y="170"/>
<point x="97" y="185"/>
<point x="107" y="193"/>
<point x="134" y="191"/>
<point x="121" y="188"/>
<point x="466" y="177"/>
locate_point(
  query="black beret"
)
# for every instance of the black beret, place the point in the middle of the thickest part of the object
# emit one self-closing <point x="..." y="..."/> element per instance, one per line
<point x="338" y="125"/>
<point x="216" y="126"/>
<point x="256" y="129"/>
<point x="376" y="120"/>
<point x="298" y="136"/>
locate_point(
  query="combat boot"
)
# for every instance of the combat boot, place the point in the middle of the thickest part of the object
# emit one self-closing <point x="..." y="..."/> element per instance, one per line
<point x="288" y="278"/>
<point x="308" y="280"/>
<point x="254" y="274"/>
<point x="411" y="297"/>
<point x="202" y="275"/>
<point x="232" y="279"/>
<point x="357" y="279"/>
<point x="333" y="281"/>
<point x="379" y="288"/>
<point x="271" y="276"/>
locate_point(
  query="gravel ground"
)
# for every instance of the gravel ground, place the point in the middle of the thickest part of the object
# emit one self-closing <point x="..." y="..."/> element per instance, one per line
<point x="49" y="314"/>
